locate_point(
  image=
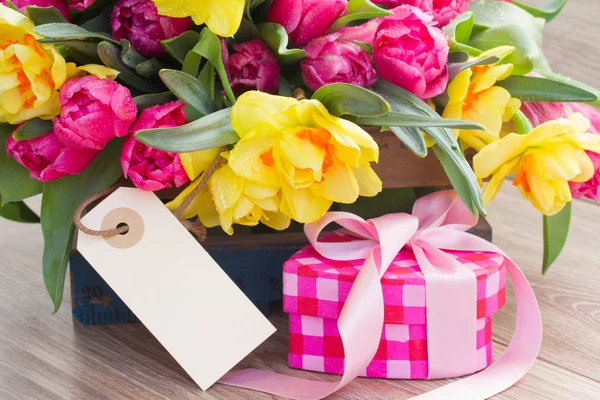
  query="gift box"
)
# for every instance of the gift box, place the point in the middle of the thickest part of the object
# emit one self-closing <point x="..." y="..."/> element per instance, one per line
<point x="315" y="289"/>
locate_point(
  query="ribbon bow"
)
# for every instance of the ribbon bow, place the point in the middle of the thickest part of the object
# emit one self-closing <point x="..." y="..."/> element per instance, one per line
<point x="439" y="222"/>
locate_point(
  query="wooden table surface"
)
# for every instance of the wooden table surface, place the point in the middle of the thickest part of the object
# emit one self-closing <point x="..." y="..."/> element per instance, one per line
<point x="44" y="356"/>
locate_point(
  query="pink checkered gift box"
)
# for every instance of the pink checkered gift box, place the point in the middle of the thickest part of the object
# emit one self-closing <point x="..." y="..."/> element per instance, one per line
<point x="315" y="289"/>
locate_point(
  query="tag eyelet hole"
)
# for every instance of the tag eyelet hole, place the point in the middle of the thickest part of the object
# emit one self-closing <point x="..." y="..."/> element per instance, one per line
<point x="123" y="224"/>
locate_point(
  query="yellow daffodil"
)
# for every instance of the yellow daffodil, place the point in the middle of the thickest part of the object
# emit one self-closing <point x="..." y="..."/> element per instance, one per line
<point x="31" y="73"/>
<point x="314" y="157"/>
<point x="544" y="160"/>
<point x="230" y="199"/>
<point x="222" y="17"/>
<point x="473" y="97"/>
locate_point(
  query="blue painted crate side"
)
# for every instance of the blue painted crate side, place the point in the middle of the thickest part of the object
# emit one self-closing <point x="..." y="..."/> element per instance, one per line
<point x="257" y="271"/>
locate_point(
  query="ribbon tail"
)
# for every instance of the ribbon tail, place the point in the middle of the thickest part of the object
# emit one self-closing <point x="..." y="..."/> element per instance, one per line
<point x="360" y="325"/>
<point x="518" y="358"/>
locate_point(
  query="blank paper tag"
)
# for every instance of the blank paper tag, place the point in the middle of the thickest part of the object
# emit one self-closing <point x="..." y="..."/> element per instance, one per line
<point x="173" y="285"/>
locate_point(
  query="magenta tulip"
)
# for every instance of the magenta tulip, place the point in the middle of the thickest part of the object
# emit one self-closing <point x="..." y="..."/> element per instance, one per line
<point x="138" y="21"/>
<point x="80" y="5"/>
<point x="47" y="158"/>
<point x="330" y="60"/>
<point x="93" y="112"/>
<point x="411" y="53"/>
<point x="305" y="20"/>
<point x="443" y="11"/>
<point x="148" y="168"/>
<point x="253" y="67"/>
<point x="60" y="5"/>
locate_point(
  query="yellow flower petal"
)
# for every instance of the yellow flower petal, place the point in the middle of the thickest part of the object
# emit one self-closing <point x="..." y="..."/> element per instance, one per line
<point x="191" y="210"/>
<point x="226" y="188"/>
<point x="278" y="221"/>
<point x="100" y="71"/>
<point x="494" y="155"/>
<point x="254" y="108"/>
<point x="339" y="184"/>
<point x="223" y="17"/>
<point x="369" y="184"/>
<point x="302" y="205"/>
<point x="245" y="158"/>
<point x="198" y="161"/>
<point x="494" y="185"/>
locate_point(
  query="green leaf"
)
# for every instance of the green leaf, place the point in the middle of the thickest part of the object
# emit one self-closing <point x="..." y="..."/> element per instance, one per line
<point x="527" y="52"/>
<point x="179" y="46"/>
<point x="129" y="55"/>
<point x="387" y="202"/>
<point x="208" y="132"/>
<point x="88" y="48"/>
<point x="276" y="38"/>
<point x="251" y="5"/>
<point x="358" y="16"/>
<point x="15" y="183"/>
<point x="246" y="32"/>
<point x="101" y="22"/>
<point x="460" y="28"/>
<point x="412" y="138"/>
<point x="61" y="199"/>
<point x="498" y="14"/>
<point x="149" y="68"/>
<point x="11" y="5"/>
<point x="398" y="119"/>
<point x="189" y="90"/>
<point x="460" y="48"/>
<point x="522" y="123"/>
<point x="148" y="100"/>
<point x="209" y="47"/>
<point x="448" y="151"/>
<point x="457" y="68"/>
<point x="18" y="212"/>
<point x="556" y="230"/>
<point x="70" y="32"/>
<point x="285" y="89"/>
<point x="530" y="88"/>
<point x="344" y="98"/>
<point x="365" y="46"/>
<point x="548" y="11"/>
<point x="207" y="79"/>
<point x="111" y="57"/>
<point x="458" y="57"/>
<point x="565" y="79"/>
<point x="33" y="128"/>
<point x="44" y="15"/>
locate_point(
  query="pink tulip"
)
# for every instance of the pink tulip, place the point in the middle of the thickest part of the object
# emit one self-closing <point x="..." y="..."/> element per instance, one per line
<point x="80" y="5"/>
<point x="538" y="113"/>
<point x="330" y="60"/>
<point x="138" y="21"/>
<point x="47" y="158"/>
<point x="443" y="11"/>
<point x="253" y="67"/>
<point x="305" y="20"/>
<point x="93" y="112"/>
<point x="411" y="53"/>
<point x="60" y="5"/>
<point x="148" y="168"/>
<point x="591" y="188"/>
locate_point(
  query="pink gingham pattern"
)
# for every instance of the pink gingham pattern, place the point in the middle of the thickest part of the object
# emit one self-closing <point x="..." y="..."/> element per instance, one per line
<point x="315" y="345"/>
<point x="316" y="286"/>
<point x="315" y="289"/>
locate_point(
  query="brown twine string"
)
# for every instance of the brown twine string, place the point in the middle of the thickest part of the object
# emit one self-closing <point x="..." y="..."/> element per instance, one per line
<point x="194" y="227"/>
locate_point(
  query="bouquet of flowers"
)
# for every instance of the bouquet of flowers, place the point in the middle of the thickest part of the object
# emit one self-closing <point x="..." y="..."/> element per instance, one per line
<point x="258" y="109"/>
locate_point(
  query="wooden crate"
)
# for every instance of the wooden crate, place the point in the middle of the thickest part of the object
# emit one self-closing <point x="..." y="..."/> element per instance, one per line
<point x="398" y="167"/>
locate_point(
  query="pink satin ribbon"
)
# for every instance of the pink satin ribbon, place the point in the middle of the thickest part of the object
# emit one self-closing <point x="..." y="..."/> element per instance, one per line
<point x="439" y="222"/>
